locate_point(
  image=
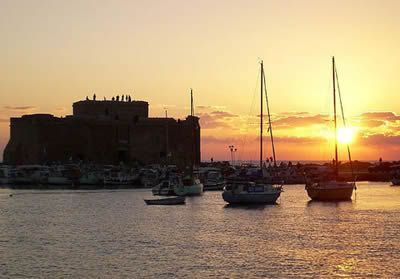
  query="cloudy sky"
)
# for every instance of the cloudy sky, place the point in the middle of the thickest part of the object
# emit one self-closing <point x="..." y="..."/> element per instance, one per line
<point x="56" y="52"/>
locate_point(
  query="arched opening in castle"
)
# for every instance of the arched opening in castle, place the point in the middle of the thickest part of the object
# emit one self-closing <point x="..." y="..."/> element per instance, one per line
<point x="104" y="132"/>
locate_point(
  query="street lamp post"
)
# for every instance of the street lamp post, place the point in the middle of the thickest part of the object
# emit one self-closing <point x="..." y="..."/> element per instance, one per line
<point x="233" y="150"/>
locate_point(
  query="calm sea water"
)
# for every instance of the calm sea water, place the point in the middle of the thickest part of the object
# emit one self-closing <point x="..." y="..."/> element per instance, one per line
<point x="113" y="234"/>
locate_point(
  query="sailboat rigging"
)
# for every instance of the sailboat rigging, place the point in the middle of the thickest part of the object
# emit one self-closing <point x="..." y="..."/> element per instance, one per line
<point x="332" y="189"/>
<point x="242" y="190"/>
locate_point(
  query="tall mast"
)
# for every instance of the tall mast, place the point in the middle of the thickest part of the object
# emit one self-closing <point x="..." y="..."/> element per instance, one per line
<point x="334" y="112"/>
<point x="193" y="134"/>
<point x="191" y="102"/>
<point x="269" y="118"/>
<point x="261" y="115"/>
<point x="166" y="137"/>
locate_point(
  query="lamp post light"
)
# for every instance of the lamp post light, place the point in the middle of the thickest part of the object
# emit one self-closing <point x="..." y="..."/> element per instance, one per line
<point x="233" y="150"/>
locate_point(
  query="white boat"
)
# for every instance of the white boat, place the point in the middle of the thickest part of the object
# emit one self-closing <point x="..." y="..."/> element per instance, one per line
<point x="191" y="185"/>
<point x="244" y="192"/>
<point x="166" y="201"/>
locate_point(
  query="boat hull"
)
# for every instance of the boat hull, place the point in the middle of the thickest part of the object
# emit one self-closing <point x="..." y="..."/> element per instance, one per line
<point x="166" y="201"/>
<point x="330" y="194"/>
<point x="250" y="198"/>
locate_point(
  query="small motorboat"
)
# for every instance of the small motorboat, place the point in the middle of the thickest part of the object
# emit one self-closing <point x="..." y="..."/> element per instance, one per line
<point x="166" y="201"/>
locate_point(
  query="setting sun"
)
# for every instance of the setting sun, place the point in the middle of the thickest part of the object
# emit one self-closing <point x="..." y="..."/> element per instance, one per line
<point x="345" y="135"/>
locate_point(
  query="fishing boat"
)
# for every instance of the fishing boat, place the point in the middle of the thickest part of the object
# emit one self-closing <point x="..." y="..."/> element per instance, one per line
<point x="244" y="191"/>
<point x="166" y="201"/>
<point x="330" y="188"/>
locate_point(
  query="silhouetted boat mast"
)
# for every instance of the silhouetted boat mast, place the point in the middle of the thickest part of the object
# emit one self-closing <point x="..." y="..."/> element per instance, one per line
<point x="334" y="117"/>
<point x="262" y="91"/>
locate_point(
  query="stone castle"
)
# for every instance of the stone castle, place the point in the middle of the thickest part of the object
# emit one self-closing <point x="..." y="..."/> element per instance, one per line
<point x="104" y="132"/>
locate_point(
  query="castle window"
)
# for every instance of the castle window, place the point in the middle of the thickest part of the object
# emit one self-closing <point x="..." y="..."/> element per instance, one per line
<point x="106" y="112"/>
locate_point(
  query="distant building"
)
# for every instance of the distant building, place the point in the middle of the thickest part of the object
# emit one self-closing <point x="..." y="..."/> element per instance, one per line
<point x="106" y="132"/>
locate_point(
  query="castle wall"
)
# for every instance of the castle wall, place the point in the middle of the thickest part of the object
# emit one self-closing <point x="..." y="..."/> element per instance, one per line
<point x="91" y="137"/>
<point x="129" y="111"/>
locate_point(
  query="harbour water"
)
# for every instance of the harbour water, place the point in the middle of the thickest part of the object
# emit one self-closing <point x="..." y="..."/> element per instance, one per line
<point x="113" y="234"/>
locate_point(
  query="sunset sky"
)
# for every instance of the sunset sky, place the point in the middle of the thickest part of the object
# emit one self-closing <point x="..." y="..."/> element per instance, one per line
<point x="54" y="52"/>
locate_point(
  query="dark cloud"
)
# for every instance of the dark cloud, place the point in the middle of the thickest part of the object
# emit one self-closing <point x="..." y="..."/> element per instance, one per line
<point x="20" y="108"/>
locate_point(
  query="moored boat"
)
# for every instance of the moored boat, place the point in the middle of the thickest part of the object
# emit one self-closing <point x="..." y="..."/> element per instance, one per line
<point x="191" y="186"/>
<point x="167" y="187"/>
<point x="212" y="179"/>
<point x="331" y="188"/>
<point x="244" y="190"/>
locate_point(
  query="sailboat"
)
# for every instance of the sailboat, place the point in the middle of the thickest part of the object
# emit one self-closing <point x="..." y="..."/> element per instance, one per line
<point x="330" y="188"/>
<point x="243" y="191"/>
<point x="191" y="185"/>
